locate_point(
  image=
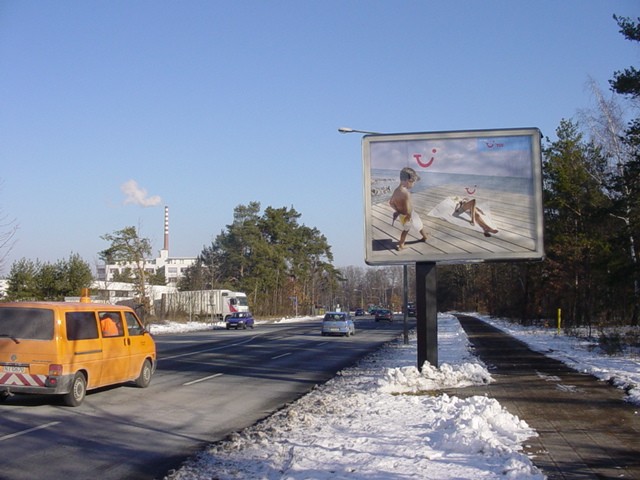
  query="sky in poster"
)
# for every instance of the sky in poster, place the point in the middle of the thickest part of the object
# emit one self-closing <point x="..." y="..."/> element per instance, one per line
<point x="471" y="154"/>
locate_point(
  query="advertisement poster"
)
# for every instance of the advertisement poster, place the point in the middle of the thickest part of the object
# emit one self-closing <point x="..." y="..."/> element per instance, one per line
<point x="453" y="197"/>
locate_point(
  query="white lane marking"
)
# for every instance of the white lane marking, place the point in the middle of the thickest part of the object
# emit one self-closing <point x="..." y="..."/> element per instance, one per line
<point x="567" y="388"/>
<point x="202" y="379"/>
<point x="207" y="350"/>
<point x="559" y="386"/>
<point x="29" y="430"/>
<point x="280" y="356"/>
<point x="548" y="378"/>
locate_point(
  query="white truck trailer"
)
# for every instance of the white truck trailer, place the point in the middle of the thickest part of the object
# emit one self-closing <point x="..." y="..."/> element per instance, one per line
<point x="204" y="304"/>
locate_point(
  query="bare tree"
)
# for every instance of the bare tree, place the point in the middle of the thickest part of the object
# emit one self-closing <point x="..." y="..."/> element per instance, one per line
<point x="8" y="229"/>
<point x="607" y="129"/>
<point x="128" y="248"/>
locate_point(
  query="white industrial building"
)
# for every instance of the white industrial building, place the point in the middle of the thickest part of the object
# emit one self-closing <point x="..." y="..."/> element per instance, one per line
<point x="172" y="267"/>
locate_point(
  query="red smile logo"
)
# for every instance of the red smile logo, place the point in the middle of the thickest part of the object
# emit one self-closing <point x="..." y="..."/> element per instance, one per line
<point x="427" y="164"/>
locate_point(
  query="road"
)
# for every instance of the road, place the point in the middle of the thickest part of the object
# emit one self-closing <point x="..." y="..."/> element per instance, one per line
<point x="208" y="384"/>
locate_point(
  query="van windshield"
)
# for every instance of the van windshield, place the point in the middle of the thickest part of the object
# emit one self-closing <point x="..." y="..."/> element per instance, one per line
<point x="26" y="323"/>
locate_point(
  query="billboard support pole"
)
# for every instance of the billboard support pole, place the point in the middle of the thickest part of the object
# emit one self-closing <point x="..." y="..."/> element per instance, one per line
<point x="426" y="314"/>
<point x="405" y="302"/>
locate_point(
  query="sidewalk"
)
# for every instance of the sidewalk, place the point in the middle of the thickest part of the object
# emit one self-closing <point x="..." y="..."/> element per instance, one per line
<point x="586" y="430"/>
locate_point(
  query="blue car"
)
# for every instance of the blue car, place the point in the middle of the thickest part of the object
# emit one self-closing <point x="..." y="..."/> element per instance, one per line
<point x="240" y="320"/>
<point x="338" y="323"/>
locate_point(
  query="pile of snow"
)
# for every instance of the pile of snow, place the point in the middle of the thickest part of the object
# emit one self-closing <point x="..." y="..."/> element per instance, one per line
<point x="175" y="327"/>
<point x="184" y="327"/>
<point x="382" y="419"/>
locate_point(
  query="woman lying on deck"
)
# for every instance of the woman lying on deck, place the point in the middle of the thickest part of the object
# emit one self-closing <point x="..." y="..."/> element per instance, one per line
<point x="476" y="214"/>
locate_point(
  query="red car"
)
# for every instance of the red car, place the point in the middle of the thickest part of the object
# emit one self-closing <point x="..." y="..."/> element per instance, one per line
<point x="384" y="314"/>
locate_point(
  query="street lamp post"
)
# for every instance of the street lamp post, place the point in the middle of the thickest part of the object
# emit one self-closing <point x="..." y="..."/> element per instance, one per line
<point x="353" y="130"/>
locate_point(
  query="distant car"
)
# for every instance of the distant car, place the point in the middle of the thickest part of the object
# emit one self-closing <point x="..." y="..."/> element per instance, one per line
<point x="240" y="320"/>
<point x="359" y="312"/>
<point x="384" y="314"/>
<point x="338" y="323"/>
<point x="411" y="309"/>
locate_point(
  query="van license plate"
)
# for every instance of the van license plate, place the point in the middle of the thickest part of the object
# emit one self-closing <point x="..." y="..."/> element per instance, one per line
<point x="11" y="369"/>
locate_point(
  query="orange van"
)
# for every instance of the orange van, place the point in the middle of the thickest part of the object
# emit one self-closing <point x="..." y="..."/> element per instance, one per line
<point x="68" y="348"/>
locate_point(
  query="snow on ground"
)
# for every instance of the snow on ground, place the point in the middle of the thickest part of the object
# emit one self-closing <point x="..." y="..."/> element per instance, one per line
<point x="378" y="420"/>
<point x="184" y="327"/>
<point x="580" y="353"/>
<point x="383" y="419"/>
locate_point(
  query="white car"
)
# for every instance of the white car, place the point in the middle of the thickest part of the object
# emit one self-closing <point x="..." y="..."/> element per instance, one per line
<point x="338" y="323"/>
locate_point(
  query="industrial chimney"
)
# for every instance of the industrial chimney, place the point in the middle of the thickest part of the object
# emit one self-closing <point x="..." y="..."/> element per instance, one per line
<point x="166" y="228"/>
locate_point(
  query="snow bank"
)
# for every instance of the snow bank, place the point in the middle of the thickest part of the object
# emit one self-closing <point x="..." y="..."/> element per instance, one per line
<point x="378" y="420"/>
<point x="621" y="370"/>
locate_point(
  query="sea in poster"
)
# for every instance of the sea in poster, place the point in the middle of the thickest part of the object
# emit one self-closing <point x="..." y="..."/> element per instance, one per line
<point x="384" y="181"/>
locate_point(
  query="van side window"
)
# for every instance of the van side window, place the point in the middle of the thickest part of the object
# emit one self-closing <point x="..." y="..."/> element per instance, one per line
<point x="133" y="325"/>
<point x="81" y="325"/>
<point x="111" y="324"/>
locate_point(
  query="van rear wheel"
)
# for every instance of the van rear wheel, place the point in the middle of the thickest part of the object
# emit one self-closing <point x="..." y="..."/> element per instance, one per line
<point x="144" y="379"/>
<point x="78" y="391"/>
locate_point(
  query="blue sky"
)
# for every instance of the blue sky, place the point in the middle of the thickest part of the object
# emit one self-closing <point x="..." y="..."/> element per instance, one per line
<point x="110" y="110"/>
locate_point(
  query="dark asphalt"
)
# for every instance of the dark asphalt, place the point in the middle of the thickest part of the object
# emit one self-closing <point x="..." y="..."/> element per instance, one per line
<point x="586" y="429"/>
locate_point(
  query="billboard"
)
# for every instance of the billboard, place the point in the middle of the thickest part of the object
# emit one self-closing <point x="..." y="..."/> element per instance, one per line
<point x="453" y="197"/>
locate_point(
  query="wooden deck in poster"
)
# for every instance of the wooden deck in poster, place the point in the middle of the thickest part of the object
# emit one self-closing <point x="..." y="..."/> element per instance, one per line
<point x="512" y="215"/>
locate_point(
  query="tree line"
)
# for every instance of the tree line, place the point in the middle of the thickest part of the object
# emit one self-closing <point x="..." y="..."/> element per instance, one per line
<point x="35" y="280"/>
<point x="282" y="265"/>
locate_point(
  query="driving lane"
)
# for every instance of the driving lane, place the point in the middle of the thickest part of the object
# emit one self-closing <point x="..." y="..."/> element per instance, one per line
<point x="208" y="384"/>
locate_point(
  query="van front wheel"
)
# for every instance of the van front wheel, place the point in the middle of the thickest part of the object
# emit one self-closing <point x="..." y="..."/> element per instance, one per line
<point x="78" y="391"/>
<point x="144" y="379"/>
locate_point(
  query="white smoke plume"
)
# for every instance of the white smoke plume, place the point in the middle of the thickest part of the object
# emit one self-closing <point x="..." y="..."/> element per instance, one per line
<point x="137" y="195"/>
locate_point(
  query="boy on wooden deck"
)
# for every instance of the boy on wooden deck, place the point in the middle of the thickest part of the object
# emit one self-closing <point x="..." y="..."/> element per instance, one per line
<point x="403" y="208"/>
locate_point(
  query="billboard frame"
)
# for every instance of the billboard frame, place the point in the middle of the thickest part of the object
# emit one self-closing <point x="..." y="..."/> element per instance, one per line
<point x="479" y="196"/>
